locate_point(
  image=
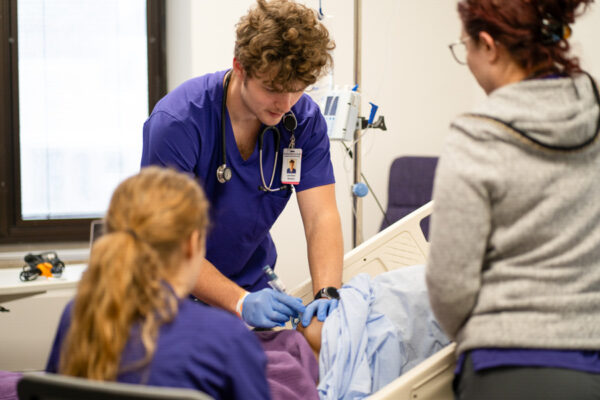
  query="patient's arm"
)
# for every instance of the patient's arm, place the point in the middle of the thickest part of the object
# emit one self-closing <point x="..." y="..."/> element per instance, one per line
<point x="312" y="334"/>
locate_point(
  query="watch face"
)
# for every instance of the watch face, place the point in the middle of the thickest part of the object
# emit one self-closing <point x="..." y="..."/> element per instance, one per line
<point x="331" y="293"/>
<point x="328" y="293"/>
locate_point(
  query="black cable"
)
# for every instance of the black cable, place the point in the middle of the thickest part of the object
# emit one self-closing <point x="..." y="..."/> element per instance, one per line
<point x="349" y="152"/>
<point x="376" y="199"/>
<point x="32" y="270"/>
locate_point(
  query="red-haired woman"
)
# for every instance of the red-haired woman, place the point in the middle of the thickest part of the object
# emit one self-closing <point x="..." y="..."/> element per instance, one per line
<point x="514" y="269"/>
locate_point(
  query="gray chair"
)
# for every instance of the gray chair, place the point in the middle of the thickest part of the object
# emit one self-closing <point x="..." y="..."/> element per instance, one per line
<point x="60" y="387"/>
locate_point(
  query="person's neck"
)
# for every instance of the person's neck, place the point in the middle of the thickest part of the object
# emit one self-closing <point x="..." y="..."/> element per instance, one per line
<point x="542" y="72"/>
<point x="510" y="73"/>
<point x="239" y="114"/>
<point x="179" y="287"/>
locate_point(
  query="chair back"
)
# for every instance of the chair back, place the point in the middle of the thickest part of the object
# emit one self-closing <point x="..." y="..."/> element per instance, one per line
<point x="60" y="387"/>
<point x="410" y="186"/>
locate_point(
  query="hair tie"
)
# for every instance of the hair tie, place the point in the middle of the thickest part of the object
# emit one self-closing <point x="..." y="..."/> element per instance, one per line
<point x="553" y="31"/>
<point x="132" y="233"/>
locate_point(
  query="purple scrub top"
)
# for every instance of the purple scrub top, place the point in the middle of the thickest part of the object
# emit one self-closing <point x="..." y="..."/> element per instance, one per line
<point x="184" y="132"/>
<point x="203" y="348"/>
<point x="578" y="360"/>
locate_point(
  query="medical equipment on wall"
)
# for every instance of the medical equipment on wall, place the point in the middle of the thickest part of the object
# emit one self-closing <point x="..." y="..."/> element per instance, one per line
<point x="340" y="109"/>
<point x="360" y="189"/>
<point x="46" y="264"/>
<point x="224" y="173"/>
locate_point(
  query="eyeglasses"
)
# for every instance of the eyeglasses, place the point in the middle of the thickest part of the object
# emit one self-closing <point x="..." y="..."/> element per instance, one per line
<point x="459" y="50"/>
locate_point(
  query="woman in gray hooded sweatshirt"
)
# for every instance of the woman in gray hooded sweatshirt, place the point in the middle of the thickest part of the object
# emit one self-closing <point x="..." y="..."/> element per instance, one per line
<point x="514" y="266"/>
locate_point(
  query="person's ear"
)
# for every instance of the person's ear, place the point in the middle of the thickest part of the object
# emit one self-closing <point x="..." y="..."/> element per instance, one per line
<point x="238" y="69"/>
<point x="489" y="46"/>
<point x="192" y="244"/>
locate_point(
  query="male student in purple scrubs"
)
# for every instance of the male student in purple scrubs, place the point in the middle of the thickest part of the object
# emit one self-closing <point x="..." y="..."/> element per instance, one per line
<point x="227" y="128"/>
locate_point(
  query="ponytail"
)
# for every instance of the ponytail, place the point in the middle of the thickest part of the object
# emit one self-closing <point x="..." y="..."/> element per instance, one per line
<point x="118" y="288"/>
<point x="124" y="286"/>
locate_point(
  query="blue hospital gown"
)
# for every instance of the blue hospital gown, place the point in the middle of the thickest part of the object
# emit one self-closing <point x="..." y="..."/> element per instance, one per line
<point x="382" y="328"/>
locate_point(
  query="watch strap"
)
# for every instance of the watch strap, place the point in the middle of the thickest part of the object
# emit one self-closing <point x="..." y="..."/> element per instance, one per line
<point x="328" y="292"/>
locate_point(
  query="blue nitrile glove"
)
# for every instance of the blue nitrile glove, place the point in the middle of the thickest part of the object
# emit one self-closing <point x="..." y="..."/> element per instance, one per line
<point x="268" y="308"/>
<point x="321" y="307"/>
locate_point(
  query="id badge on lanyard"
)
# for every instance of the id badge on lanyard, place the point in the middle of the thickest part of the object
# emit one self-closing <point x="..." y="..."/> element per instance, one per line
<point x="291" y="166"/>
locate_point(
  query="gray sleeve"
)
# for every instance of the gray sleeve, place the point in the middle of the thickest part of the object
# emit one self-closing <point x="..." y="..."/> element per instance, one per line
<point x="460" y="227"/>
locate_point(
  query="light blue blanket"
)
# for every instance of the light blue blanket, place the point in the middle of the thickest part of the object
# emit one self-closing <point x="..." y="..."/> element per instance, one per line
<point x="382" y="328"/>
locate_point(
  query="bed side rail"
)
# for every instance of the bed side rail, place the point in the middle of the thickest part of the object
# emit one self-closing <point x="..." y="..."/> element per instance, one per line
<point x="399" y="245"/>
<point x="431" y="379"/>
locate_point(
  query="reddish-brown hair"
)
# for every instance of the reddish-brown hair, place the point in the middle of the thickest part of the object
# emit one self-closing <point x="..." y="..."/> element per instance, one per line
<point x="284" y="43"/>
<point x="522" y="27"/>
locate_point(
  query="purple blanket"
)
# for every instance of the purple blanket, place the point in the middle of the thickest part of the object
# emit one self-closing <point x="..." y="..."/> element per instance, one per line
<point x="8" y="385"/>
<point x="292" y="369"/>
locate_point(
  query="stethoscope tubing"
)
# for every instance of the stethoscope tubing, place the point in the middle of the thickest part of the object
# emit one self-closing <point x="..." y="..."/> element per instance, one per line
<point x="223" y="166"/>
<point x="277" y="134"/>
<point x="223" y="106"/>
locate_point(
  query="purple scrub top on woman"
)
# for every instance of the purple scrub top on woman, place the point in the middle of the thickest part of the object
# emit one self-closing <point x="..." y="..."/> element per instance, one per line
<point x="203" y="348"/>
<point x="184" y="132"/>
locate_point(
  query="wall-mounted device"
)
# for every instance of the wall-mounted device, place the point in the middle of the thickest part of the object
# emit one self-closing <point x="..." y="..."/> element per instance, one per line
<point x="340" y="109"/>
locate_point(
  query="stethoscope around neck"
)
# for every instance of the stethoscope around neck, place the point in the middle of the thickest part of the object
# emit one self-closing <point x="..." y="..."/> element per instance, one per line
<point x="224" y="172"/>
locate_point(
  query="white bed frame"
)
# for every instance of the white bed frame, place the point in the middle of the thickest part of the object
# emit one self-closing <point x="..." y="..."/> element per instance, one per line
<point x="400" y="245"/>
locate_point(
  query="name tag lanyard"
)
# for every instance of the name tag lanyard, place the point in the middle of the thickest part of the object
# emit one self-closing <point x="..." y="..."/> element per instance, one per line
<point x="290" y="123"/>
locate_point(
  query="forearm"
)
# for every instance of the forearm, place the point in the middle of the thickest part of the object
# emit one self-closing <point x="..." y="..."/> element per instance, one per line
<point x="312" y="334"/>
<point x="214" y="288"/>
<point x="455" y="257"/>
<point x="460" y="228"/>
<point x="325" y="250"/>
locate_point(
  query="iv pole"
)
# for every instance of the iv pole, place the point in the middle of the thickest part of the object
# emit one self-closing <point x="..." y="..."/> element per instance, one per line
<point x="357" y="220"/>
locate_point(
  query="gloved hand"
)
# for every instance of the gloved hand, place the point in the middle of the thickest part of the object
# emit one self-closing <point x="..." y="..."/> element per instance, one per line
<point x="321" y="307"/>
<point x="268" y="308"/>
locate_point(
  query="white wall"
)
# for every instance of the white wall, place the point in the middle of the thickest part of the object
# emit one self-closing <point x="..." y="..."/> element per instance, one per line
<point x="407" y="70"/>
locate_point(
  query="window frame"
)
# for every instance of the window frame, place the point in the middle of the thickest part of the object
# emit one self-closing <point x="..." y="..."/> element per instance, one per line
<point x="13" y="229"/>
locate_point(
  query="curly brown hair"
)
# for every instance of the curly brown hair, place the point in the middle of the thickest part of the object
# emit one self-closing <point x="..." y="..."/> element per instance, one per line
<point x="284" y="43"/>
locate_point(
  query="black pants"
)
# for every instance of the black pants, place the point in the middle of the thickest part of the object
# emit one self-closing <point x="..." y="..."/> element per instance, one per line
<point x="526" y="383"/>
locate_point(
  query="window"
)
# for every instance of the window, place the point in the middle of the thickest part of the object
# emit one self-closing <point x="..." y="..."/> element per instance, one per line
<point x="78" y="79"/>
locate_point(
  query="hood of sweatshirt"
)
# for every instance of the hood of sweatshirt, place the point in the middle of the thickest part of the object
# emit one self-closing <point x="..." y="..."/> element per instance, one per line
<point x="556" y="112"/>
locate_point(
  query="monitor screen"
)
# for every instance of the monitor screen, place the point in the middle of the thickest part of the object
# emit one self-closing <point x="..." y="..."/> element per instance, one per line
<point x="96" y="230"/>
<point x="331" y="105"/>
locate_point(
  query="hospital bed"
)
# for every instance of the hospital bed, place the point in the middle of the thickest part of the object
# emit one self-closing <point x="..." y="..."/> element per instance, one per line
<point x="401" y="244"/>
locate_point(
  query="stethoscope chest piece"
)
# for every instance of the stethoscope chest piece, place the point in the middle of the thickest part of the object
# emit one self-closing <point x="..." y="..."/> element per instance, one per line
<point x="223" y="173"/>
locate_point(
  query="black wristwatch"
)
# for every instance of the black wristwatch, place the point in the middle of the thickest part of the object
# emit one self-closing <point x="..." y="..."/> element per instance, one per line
<point x="328" y="293"/>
